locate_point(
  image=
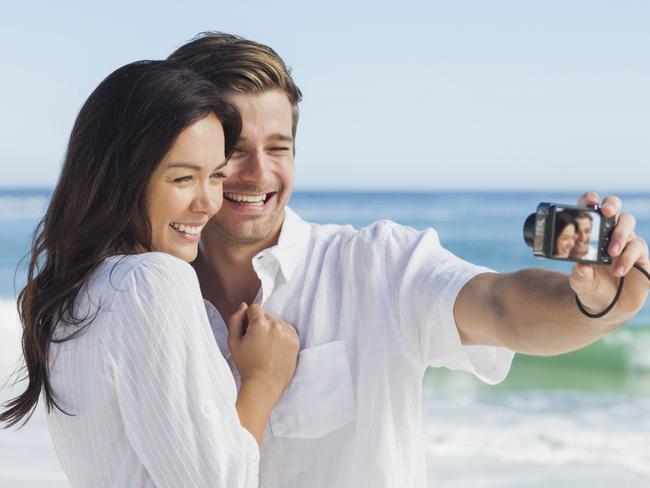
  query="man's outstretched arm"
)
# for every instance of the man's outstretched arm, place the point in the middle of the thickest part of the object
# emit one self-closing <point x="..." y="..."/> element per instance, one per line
<point x="533" y="311"/>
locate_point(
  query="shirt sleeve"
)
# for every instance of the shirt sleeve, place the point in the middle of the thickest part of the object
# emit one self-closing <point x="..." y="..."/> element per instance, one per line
<point x="423" y="281"/>
<point x="175" y="391"/>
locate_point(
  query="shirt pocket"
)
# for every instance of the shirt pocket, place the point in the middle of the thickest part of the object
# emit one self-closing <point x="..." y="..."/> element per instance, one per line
<point x="320" y="398"/>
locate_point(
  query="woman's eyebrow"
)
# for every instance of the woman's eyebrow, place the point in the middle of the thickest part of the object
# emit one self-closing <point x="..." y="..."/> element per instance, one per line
<point x="192" y="166"/>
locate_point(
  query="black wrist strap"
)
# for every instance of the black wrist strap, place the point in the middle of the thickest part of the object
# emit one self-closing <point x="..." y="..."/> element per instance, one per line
<point x="611" y="305"/>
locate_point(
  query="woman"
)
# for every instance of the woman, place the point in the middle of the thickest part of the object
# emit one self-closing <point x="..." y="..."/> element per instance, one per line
<point x="566" y="230"/>
<point x="116" y="335"/>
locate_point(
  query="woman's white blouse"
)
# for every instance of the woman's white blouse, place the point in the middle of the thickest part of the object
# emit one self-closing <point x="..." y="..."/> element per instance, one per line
<point x="152" y="398"/>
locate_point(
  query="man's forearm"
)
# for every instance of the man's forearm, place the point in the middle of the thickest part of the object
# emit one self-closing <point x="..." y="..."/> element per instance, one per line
<point x="543" y="318"/>
<point x="531" y="311"/>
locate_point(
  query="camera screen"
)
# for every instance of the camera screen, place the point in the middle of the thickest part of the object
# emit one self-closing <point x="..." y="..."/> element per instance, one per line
<point x="576" y="234"/>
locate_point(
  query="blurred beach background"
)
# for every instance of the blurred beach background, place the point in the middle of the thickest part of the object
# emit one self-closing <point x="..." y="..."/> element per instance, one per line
<point x="580" y="419"/>
<point x="460" y="116"/>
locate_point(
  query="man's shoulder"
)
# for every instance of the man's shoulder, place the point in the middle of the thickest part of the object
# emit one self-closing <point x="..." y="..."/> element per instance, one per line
<point x="376" y="234"/>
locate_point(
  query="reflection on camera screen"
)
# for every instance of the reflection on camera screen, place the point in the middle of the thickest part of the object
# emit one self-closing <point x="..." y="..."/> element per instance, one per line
<point x="576" y="234"/>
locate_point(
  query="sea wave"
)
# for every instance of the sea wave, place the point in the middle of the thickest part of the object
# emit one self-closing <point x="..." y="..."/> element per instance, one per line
<point x="543" y="428"/>
<point x="10" y="332"/>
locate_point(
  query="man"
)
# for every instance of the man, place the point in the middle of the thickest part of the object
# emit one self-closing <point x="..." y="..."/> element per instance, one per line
<point x="375" y="307"/>
<point x="582" y="248"/>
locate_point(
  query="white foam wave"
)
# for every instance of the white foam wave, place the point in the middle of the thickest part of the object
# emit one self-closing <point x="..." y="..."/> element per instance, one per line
<point x="637" y="345"/>
<point x="10" y="332"/>
<point x="30" y="207"/>
<point x="543" y="428"/>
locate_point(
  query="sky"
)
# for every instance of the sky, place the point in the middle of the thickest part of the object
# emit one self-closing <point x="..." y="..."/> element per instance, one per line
<point x="485" y="95"/>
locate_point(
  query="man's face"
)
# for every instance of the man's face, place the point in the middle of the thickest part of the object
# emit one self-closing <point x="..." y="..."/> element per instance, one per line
<point x="583" y="237"/>
<point x="260" y="172"/>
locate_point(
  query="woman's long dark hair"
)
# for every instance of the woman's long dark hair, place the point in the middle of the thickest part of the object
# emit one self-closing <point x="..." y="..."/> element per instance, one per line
<point x="97" y="209"/>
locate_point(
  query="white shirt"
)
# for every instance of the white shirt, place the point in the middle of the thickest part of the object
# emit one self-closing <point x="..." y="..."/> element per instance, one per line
<point x="374" y="309"/>
<point x="152" y="397"/>
<point x="592" y="253"/>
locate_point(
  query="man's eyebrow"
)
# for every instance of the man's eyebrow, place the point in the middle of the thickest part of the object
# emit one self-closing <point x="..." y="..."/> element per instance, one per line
<point x="277" y="136"/>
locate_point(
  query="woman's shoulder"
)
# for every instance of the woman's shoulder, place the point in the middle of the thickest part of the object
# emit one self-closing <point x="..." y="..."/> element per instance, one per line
<point x="146" y="265"/>
<point x="150" y="272"/>
<point x="148" y="289"/>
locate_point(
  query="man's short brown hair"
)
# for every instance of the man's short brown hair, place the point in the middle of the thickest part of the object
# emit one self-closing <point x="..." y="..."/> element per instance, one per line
<point x="584" y="215"/>
<point x="233" y="63"/>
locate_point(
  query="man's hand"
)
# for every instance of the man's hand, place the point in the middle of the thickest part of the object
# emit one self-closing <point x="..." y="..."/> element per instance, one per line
<point x="596" y="285"/>
<point x="533" y="311"/>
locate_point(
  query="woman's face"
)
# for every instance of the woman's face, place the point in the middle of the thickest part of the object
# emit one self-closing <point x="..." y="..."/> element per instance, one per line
<point x="564" y="241"/>
<point x="185" y="190"/>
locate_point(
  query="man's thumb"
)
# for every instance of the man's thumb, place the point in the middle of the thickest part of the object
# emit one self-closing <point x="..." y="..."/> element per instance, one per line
<point x="582" y="278"/>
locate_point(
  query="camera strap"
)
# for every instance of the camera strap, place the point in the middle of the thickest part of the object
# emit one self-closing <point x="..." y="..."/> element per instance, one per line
<point x="618" y="294"/>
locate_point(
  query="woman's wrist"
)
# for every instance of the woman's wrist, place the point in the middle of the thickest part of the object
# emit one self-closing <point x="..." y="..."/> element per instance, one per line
<point x="255" y="401"/>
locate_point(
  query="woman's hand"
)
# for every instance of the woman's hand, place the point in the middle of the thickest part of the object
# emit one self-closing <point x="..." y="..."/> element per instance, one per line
<point x="264" y="348"/>
<point x="265" y="351"/>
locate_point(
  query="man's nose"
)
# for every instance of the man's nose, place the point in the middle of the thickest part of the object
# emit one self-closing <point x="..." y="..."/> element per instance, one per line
<point x="254" y="167"/>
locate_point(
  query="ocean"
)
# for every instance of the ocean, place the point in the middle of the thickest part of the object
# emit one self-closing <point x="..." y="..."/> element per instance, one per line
<point x="580" y="419"/>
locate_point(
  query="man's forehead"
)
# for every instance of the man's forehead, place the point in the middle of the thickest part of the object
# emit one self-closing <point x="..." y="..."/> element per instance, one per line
<point x="584" y="221"/>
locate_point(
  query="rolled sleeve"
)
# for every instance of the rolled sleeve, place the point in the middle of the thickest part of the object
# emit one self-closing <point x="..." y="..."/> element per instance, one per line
<point x="424" y="280"/>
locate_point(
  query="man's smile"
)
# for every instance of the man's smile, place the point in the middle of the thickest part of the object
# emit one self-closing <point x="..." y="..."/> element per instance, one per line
<point x="247" y="199"/>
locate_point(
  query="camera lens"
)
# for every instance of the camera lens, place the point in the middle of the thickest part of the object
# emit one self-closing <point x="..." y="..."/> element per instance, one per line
<point x="529" y="229"/>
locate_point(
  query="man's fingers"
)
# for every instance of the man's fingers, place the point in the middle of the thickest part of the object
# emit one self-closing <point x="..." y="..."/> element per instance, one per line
<point x="623" y="232"/>
<point x="589" y="198"/>
<point x="611" y="206"/>
<point x="634" y="250"/>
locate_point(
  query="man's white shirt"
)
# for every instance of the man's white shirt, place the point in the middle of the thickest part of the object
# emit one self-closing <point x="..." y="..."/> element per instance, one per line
<point x="592" y="253"/>
<point x="374" y="309"/>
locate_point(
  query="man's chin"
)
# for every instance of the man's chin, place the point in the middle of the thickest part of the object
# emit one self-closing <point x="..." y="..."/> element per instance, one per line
<point x="240" y="233"/>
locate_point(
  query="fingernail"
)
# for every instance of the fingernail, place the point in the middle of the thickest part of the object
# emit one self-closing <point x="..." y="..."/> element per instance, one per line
<point x="609" y="207"/>
<point x="620" y="270"/>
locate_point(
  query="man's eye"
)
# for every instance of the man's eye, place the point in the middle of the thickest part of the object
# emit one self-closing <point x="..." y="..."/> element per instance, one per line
<point x="280" y="148"/>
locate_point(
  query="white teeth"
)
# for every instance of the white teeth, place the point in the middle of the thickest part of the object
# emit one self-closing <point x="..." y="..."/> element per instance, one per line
<point x="238" y="197"/>
<point x="187" y="229"/>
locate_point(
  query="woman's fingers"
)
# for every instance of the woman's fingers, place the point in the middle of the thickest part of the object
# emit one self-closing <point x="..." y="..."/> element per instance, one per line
<point x="255" y="314"/>
<point x="236" y="322"/>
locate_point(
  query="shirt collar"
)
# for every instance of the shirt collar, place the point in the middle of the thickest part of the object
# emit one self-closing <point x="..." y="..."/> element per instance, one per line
<point x="292" y="244"/>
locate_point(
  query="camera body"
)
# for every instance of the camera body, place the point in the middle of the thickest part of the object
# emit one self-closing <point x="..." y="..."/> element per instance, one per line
<point x="569" y="233"/>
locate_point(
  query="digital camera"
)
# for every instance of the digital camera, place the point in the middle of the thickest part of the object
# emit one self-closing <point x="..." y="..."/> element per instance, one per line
<point x="569" y="233"/>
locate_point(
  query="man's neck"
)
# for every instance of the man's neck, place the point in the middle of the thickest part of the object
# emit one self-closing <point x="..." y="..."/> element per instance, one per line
<point x="226" y="273"/>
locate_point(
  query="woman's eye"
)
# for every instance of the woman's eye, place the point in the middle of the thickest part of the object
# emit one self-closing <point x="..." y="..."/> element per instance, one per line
<point x="220" y="175"/>
<point x="182" y="179"/>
